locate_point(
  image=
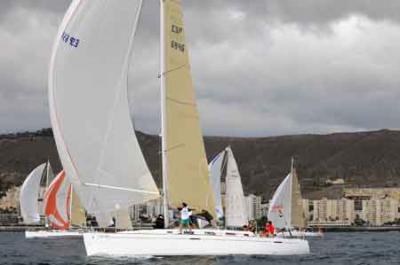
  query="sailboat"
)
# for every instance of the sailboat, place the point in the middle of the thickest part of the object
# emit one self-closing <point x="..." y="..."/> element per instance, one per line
<point x="224" y="166"/>
<point x="31" y="194"/>
<point x="98" y="147"/>
<point x="286" y="208"/>
<point x="64" y="214"/>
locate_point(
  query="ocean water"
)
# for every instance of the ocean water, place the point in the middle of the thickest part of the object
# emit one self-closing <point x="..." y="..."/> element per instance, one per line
<point x="335" y="248"/>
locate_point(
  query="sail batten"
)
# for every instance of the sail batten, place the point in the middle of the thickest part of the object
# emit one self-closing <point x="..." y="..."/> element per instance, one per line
<point x="95" y="138"/>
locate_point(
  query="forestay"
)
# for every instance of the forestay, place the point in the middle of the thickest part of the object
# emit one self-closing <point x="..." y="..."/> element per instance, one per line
<point x="235" y="205"/>
<point x="29" y="196"/>
<point x="89" y="107"/>
<point x="216" y="171"/>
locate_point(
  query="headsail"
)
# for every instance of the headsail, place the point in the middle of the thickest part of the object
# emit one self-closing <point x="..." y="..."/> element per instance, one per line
<point x="279" y="212"/>
<point x="235" y="205"/>
<point x="216" y="171"/>
<point x="89" y="106"/>
<point x="29" y="196"/>
<point x="58" y="202"/>
<point x="184" y="157"/>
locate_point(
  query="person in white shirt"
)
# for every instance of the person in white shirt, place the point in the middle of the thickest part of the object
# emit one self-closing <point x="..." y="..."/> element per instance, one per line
<point x="185" y="214"/>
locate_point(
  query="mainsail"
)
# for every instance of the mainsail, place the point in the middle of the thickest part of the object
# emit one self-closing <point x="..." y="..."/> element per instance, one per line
<point x="286" y="208"/>
<point x="298" y="216"/>
<point x="235" y="205"/>
<point x="184" y="160"/>
<point x="29" y="196"/>
<point x="216" y="170"/>
<point x="89" y="107"/>
<point x="77" y="215"/>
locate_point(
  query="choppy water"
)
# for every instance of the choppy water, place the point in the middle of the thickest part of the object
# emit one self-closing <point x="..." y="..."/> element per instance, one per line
<point x="334" y="248"/>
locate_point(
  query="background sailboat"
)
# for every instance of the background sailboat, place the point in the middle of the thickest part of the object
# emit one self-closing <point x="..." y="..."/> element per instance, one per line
<point x="286" y="207"/>
<point x="62" y="211"/>
<point x="31" y="194"/>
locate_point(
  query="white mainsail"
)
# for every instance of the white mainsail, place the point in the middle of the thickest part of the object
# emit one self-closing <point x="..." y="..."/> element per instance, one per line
<point x="89" y="107"/>
<point x="216" y="170"/>
<point x="235" y="205"/>
<point x="29" y="196"/>
<point x="286" y="209"/>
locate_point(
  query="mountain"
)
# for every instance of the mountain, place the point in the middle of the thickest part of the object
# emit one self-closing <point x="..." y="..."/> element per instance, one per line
<point x="362" y="159"/>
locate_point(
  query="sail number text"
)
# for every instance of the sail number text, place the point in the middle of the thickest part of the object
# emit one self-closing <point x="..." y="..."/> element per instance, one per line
<point x="72" y="41"/>
<point x="175" y="44"/>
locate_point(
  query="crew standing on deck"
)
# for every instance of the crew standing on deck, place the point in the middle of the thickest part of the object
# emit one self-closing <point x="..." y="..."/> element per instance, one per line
<point x="185" y="214"/>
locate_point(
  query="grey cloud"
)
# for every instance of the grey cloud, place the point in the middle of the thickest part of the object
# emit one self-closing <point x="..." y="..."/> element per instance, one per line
<point x="259" y="67"/>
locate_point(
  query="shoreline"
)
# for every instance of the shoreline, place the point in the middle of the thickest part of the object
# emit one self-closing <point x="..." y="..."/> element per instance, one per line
<point x="21" y="228"/>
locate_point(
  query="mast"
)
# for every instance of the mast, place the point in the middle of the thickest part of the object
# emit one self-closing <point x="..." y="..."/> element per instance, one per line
<point x="46" y="221"/>
<point x="291" y="192"/>
<point x="70" y="205"/>
<point x="163" y="116"/>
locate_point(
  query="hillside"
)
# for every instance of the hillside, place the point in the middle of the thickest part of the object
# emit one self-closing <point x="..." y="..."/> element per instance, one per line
<point x="364" y="159"/>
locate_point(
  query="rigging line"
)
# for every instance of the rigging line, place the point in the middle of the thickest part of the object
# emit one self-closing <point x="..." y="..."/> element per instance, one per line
<point x="172" y="70"/>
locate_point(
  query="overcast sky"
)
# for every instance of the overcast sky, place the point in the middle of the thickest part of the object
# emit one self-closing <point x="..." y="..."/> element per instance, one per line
<point x="260" y="67"/>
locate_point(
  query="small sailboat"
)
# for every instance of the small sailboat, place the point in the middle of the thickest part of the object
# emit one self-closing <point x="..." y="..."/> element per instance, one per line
<point x="224" y="167"/>
<point x="98" y="147"/>
<point x="64" y="214"/>
<point x="31" y="195"/>
<point x="286" y="208"/>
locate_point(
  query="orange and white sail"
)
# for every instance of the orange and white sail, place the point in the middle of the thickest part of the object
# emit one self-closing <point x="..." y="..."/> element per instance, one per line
<point x="58" y="202"/>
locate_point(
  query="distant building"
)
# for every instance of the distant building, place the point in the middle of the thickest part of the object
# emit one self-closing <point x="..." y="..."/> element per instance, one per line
<point x="11" y="200"/>
<point x="264" y="209"/>
<point x="338" y="181"/>
<point x="372" y="193"/>
<point x="253" y="206"/>
<point x="331" y="211"/>
<point x="380" y="211"/>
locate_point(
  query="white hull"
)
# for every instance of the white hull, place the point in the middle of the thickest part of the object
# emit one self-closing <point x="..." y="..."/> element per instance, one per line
<point x="202" y="242"/>
<point x="53" y="234"/>
<point x="300" y="234"/>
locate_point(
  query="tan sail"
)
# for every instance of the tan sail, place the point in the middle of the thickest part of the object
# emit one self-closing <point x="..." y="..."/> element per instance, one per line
<point x="298" y="217"/>
<point x="187" y="170"/>
<point x="78" y="215"/>
<point x="123" y="219"/>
